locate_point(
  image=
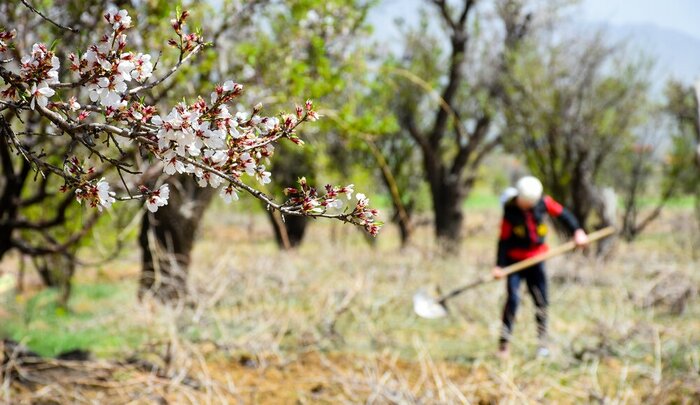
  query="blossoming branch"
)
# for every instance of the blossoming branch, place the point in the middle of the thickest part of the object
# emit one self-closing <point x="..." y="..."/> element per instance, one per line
<point x="104" y="111"/>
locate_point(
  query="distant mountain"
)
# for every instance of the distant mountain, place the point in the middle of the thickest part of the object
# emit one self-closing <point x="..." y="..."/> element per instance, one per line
<point x="676" y="54"/>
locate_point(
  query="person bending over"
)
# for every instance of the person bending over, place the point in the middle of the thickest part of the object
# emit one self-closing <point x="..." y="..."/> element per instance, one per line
<point x="523" y="232"/>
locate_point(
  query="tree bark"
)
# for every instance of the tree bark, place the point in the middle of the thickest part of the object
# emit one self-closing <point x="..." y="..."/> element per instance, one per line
<point x="607" y="212"/>
<point x="451" y="179"/>
<point x="289" y="232"/>
<point x="167" y="237"/>
<point x="57" y="271"/>
<point x="405" y="225"/>
<point x="402" y="212"/>
<point x="289" y="165"/>
<point x="449" y="216"/>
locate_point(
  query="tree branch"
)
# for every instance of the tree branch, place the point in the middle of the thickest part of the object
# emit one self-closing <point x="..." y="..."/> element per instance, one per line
<point x="29" y="6"/>
<point x="465" y="152"/>
<point x="172" y="70"/>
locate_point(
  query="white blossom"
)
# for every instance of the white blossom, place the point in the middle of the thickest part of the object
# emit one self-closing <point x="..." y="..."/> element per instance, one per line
<point x="41" y="94"/>
<point x="213" y="139"/>
<point x="210" y="178"/>
<point x="105" y="196"/>
<point x="334" y="203"/>
<point x="216" y="156"/>
<point x="262" y="175"/>
<point x="228" y="85"/>
<point x="228" y="194"/>
<point x="242" y="116"/>
<point x="270" y="123"/>
<point x="173" y="164"/>
<point x="247" y="163"/>
<point x="118" y="19"/>
<point x="108" y="92"/>
<point x="125" y="67"/>
<point x="159" y="198"/>
<point x="349" y="189"/>
<point x="73" y="104"/>
<point x="53" y="72"/>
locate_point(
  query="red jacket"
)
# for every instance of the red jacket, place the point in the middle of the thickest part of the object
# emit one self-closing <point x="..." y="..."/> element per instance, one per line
<point x="523" y="232"/>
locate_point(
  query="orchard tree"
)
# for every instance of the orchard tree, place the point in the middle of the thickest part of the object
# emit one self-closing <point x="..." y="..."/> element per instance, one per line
<point x="311" y="49"/>
<point x="57" y="222"/>
<point x="573" y="106"/>
<point x="103" y="113"/>
<point x="374" y="137"/>
<point x="683" y="105"/>
<point x="305" y="52"/>
<point x="453" y="124"/>
<point x="36" y="220"/>
<point x="167" y="236"/>
<point x="645" y="169"/>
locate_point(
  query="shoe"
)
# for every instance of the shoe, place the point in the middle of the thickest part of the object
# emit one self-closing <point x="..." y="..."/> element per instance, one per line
<point x="542" y="352"/>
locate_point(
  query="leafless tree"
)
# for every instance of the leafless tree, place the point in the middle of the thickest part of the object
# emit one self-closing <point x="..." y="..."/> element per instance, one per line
<point x="573" y="106"/>
<point x="456" y="135"/>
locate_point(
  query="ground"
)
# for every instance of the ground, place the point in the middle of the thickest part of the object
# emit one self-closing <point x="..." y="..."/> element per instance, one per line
<point x="333" y="323"/>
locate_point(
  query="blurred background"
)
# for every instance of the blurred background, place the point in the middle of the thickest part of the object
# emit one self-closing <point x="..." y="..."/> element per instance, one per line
<point x="431" y="109"/>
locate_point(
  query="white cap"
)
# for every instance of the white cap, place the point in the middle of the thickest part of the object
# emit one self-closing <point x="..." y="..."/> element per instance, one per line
<point x="529" y="188"/>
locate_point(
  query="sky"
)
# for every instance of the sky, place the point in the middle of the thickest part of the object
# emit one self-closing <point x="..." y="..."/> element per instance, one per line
<point x="668" y="31"/>
<point x="679" y="15"/>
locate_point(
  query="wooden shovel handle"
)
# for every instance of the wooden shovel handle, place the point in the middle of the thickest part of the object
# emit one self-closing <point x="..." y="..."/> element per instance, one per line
<point x="516" y="267"/>
<point x="563" y="248"/>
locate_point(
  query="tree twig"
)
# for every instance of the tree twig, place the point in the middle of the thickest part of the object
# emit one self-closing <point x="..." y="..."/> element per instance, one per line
<point x="34" y="10"/>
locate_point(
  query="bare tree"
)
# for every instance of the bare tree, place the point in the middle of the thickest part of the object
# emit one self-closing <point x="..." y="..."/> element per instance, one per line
<point x="641" y="166"/>
<point x="455" y="141"/>
<point x="683" y="106"/>
<point x="573" y="106"/>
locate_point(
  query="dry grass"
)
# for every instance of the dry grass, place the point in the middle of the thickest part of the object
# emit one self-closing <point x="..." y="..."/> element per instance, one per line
<point x="333" y="323"/>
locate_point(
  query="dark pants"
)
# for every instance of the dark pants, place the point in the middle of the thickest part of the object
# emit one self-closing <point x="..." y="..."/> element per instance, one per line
<point x="537" y="285"/>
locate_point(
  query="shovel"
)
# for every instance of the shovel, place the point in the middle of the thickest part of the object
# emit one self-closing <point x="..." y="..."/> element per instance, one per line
<point x="431" y="308"/>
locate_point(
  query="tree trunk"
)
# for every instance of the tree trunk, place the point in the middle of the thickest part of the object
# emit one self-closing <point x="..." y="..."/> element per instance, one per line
<point x="629" y="218"/>
<point x="607" y="212"/>
<point x="288" y="232"/>
<point x="402" y="212"/>
<point x="289" y="165"/>
<point x="404" y="223"/>
<point x="582" y="194"/>
<point x="167" y="237"/>
<point x="57" y="271"/>
<point x="447" y="206"/>
<point x="11" y="183"/>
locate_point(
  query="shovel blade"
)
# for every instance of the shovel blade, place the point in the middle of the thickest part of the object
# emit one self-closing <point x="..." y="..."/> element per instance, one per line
<point x="426" y="307"/>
